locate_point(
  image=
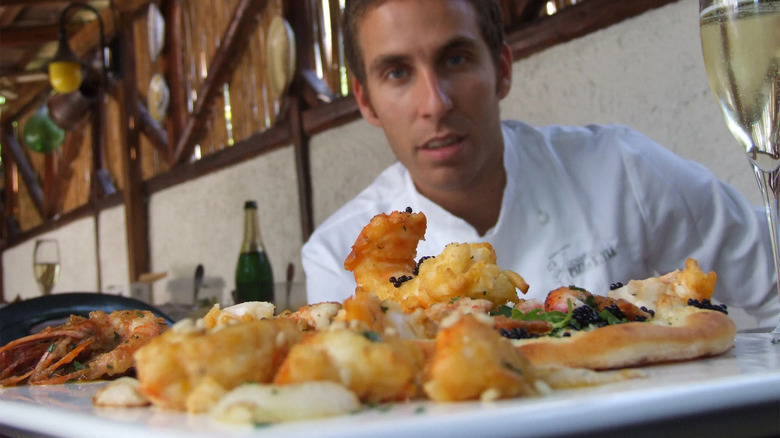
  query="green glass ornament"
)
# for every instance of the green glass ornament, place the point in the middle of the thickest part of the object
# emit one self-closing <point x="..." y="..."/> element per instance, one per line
<point x="40" y="134"/>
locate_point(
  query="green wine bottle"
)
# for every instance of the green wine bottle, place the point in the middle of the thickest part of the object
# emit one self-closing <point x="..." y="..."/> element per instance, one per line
<point x="254" y="277"/>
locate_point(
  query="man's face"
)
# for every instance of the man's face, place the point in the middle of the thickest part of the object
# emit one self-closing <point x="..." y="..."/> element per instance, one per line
<point x="434" y="89"/>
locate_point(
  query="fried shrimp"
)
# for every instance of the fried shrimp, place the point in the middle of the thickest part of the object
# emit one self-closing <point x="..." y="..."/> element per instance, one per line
<point x="669" y="291"/>
<point x="376" y="367"/>
<point x="191" y="368"/>
<point x="471" y="361"/>
<point x="382" y="260"/>
<point x="81" y="349"/>
<point x="386" y="248"/>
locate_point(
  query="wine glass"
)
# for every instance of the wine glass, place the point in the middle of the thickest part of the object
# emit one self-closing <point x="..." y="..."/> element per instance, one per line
<point x="740" y="42"/>
<point x="46" y="264"/>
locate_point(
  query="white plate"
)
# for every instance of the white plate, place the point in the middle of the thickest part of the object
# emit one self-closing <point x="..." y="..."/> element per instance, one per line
<point x="281" y="55"/>
<point x="159" y="96"/>
<point x="155" y="26"/>
<point x="750" y="373"/>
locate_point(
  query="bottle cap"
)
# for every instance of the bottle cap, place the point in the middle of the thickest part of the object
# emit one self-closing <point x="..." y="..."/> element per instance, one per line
<point x="250" y="204"/>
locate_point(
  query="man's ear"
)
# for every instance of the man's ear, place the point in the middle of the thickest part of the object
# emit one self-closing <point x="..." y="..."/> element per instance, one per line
<point x="504" y="73"/>
<point x="364" y="103"/>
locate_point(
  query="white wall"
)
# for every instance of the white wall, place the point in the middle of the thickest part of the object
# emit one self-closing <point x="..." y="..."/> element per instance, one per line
<point x="202" y="221"/>
<point x="645" y="72"/>
<point x="78" y="267"/>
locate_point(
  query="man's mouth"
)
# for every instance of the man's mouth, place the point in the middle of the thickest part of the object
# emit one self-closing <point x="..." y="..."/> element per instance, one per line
<point x="441" y="142"/>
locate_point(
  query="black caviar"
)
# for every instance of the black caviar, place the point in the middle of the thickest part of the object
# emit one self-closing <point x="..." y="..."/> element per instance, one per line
<point x="615" y="310"/>
<point x="586" y="315"/>
<point x="398" y="281"/>
<point x="416" y="270"/>
<point x="707" y="304"/>
<point x="518" y="333"/>
<point x="614" y="286"/>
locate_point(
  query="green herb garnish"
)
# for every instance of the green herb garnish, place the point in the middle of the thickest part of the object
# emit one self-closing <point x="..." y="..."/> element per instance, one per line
<point x="372" y="336"/>
<point x="611" y="319"/>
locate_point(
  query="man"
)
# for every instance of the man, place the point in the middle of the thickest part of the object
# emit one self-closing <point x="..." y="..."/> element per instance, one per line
<point x="586" y="206"/>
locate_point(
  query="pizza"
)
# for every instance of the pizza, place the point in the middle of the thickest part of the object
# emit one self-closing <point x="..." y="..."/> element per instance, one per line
<point x="445" y="328"/>
<point x="665" y="318"/>
<point x="658" y="319"/>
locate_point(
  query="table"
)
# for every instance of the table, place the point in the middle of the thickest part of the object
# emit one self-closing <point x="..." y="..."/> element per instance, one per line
<point x="734" y="394"/>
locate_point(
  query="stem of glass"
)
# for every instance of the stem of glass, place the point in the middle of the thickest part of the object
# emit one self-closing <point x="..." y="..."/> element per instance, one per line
<point x="768" y="183"/>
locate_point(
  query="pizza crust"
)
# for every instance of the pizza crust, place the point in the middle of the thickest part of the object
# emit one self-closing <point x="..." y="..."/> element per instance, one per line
<point x="696" y="333"/>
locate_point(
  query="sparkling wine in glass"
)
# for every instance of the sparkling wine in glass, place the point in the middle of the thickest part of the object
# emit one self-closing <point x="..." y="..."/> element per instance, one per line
<point x="46" y="264"/>
<point x="741" y="46"/>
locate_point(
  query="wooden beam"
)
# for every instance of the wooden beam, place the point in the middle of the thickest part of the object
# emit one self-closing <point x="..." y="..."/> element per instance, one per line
<point x="70" y="151"/>
<point x="172" y="10"/>
<point x="154" y="132"/>
<point x="315" y="91"/>
<point x="340" y="111"/>
<point x="26" y="170"/>
<point x="64" y="220"/>
<point x="49" y="187"/>
<point x="575" y="21"/>
<point x="9" y="198"/>
<point x="33" y="36"/>
<point x="256" y="144"/>
<point x="136" y="212"/>
<point x="9" y="14"/>
<point x="34" y="2"/>
<point x="241" y="28"/>
<point x="301" y="142"/>
<point x="300" y="16"/>
<point x="119" y="5"/>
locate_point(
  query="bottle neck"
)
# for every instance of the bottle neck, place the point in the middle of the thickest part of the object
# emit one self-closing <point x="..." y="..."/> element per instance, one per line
<point x="252" y="241"/>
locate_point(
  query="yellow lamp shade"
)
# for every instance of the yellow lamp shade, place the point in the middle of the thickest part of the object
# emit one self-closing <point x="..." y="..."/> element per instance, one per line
<point x="65" y="76"/>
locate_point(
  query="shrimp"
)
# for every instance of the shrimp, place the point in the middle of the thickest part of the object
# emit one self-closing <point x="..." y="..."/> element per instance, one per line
<point x="471" y="361"/>
<point x="382" y="261"/>
<point x="191" y="367"/>
<point x="558" y="299"/>
<point x="377" y="367"/>
<point x="386" y="248"/>
<point x="80" y="349"/>
<point x="666" y="293"/>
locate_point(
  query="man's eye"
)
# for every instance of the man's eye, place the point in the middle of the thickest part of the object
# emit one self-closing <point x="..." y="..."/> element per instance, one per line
<point x="456" y="60"/>
<point x="396" y="73"/>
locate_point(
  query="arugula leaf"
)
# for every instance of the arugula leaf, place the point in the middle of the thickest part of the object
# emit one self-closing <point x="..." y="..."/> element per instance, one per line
<point x="502" y="310"/>
<point x="372" y="336"/>
<point x="611" y="319"/>
<point x="557" y="318"/>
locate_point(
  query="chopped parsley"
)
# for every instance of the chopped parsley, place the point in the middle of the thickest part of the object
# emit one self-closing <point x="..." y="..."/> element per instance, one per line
<point x="372" y="336"/>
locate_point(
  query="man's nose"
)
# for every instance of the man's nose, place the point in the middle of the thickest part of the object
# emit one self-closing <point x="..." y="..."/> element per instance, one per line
<point x="434" y="95"/>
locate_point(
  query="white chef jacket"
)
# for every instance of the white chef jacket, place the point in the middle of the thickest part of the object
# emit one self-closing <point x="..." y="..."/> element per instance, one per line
<point x="585" y="206"/>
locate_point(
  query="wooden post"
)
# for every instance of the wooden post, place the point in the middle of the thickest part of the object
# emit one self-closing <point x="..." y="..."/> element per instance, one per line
<point x="298" y="13"/>
<point x="136" y="212"/>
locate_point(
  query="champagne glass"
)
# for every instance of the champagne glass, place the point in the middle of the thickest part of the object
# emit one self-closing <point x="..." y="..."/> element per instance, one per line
<point x="741" y="46"/>
<point x="46" y="264"/>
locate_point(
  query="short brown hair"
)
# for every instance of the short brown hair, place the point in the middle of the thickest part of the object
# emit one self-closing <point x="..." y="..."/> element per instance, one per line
<point x="488" y="18"/>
